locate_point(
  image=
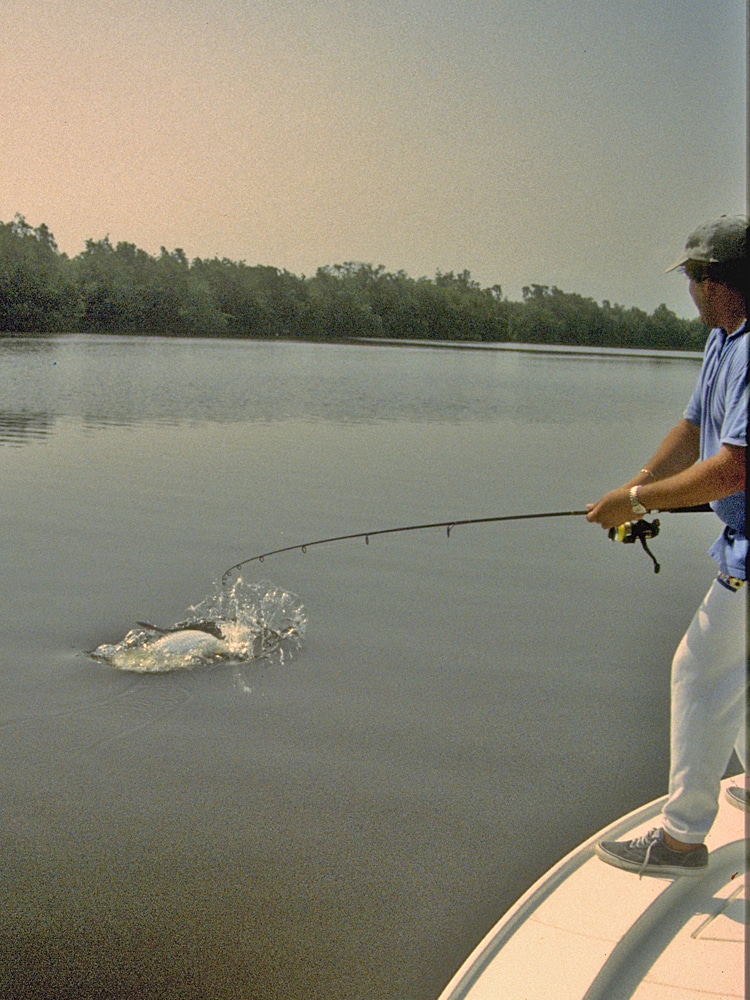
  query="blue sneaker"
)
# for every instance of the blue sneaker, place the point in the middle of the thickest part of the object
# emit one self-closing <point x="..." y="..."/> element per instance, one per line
<point x="649" y="855"/>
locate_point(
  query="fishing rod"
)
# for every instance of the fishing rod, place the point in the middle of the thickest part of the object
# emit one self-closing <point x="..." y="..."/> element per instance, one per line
<point x="627" y="533"/>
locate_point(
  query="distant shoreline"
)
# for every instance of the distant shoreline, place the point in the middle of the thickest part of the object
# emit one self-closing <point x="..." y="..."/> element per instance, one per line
<point x="621" y="352"/>
<point x="654" y="353"/>
<point x="121" y="289"/>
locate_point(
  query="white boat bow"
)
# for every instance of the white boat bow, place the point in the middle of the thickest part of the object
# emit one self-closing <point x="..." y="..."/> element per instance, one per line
<point x="589" y="931"/>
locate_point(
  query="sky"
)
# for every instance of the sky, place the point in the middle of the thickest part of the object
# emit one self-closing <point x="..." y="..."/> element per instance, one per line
<point x="570" y="143"/>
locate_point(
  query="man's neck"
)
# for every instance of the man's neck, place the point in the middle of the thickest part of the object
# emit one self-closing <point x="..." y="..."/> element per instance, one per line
<point x="730" y="309"/>
<point x="734" y="323"/>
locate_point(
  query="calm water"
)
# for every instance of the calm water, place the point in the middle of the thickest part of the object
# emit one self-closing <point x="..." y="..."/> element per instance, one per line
<point x="464" y="711"/>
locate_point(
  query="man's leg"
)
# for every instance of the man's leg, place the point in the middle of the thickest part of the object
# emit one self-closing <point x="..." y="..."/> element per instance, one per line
<point x="709" y="685"/>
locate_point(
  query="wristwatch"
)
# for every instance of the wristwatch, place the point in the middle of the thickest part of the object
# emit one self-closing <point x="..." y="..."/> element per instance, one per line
<point x="635" y="503"/>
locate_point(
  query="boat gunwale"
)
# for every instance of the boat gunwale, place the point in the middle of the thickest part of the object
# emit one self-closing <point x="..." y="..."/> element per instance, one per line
<point x="483" y="955"/>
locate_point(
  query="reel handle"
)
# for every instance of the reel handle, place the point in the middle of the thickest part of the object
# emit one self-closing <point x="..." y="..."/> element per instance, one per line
<point x="637" y="531"/>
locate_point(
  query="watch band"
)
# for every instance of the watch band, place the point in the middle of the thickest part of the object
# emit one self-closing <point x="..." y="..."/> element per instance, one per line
<point x="635" y="503"/>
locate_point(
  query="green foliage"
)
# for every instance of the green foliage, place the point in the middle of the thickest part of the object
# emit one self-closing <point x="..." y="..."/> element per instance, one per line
<point x="36" y="294"/>
<point x="123" y="289"/>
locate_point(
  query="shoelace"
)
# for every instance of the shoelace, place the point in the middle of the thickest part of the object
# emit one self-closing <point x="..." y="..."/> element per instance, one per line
<point x="649" y="841"/>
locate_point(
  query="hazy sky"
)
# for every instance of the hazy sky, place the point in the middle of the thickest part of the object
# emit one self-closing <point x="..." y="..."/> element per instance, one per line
<point x="562" y="142"/>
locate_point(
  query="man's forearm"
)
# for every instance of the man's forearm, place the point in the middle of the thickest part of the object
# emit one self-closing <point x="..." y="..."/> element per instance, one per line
<point x="678" y="451"/>
<point x="711" y="479"/>
<point x="674" y="477"/>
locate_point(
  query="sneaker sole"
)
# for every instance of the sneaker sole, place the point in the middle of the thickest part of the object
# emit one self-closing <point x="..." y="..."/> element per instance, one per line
<point x="658" y="870"/>
<point x="737" y="801"/>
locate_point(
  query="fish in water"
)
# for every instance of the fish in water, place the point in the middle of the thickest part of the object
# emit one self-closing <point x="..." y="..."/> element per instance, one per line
<point x="189" y="644"/>
<point x="198" y="641"/>
<point x="247" y="622"/>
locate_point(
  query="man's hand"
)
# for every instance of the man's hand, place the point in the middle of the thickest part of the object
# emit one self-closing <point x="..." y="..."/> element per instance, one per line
<point x="612" y="510"/>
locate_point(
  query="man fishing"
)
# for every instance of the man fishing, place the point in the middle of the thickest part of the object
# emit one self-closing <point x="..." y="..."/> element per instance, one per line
<point x="701" y="460"/>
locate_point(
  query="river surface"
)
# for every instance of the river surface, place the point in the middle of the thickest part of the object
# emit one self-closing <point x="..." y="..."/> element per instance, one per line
<point x="347" y="821"/>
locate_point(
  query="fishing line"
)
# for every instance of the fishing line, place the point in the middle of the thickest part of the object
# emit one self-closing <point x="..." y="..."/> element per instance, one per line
<point x="450" y="525"/>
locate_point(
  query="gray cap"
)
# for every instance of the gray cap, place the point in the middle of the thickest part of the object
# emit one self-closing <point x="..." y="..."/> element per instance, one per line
<point x="720" y="241"/>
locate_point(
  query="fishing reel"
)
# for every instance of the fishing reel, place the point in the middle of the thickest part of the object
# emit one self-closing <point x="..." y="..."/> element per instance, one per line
<point x="637" y="531"/>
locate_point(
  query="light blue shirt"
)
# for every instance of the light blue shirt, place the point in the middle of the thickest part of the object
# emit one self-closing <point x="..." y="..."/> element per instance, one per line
<point x="719" y="407"/>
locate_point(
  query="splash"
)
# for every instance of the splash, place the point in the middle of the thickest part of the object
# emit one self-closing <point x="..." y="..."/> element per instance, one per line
<point x="244" y="622"/>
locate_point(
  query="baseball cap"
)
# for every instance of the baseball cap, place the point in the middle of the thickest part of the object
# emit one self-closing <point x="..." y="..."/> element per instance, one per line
<point x="720" y="241"/>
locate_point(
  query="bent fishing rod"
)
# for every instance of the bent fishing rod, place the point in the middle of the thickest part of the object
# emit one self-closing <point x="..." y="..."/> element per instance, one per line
<point x="629" y="533"/>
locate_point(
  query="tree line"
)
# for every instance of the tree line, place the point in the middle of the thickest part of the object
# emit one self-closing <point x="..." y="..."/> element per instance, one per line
<point x="122" y="289"/>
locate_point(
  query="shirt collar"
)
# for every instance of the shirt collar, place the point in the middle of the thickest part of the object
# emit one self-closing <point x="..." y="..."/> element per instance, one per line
<point x="742" y="328"/>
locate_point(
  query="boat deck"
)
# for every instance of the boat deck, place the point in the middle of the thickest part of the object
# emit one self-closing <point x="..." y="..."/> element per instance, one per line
<point x="589" y="931"/>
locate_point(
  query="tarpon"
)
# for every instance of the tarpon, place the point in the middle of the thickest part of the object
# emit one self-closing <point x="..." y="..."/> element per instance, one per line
<point x="189" y="644"/>
<point x="206" y="640"/>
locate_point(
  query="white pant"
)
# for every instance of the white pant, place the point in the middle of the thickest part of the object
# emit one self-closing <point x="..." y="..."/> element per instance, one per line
<point x="709" y="688"/>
